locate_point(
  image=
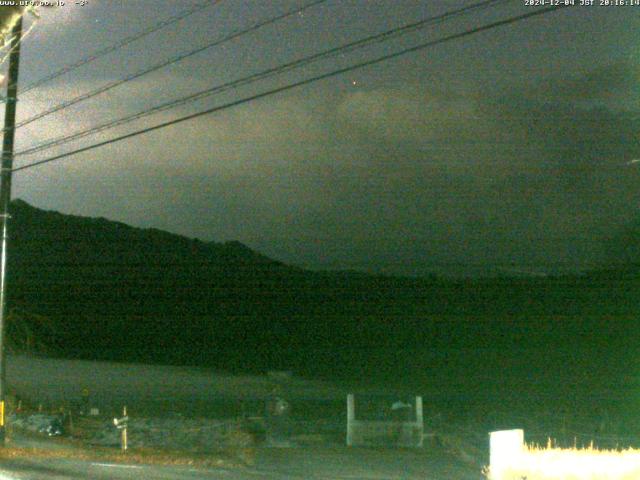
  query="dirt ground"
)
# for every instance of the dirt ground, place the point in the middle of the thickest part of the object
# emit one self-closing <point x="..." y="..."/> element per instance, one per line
<point x="196" y="410"/>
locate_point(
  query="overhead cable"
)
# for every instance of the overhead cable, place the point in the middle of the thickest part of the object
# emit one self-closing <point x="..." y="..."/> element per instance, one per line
<point x="300" y="83"/>
<point x="119" y="44"/>
<point x="158" y="66"/>
<point x="270" y="72"/>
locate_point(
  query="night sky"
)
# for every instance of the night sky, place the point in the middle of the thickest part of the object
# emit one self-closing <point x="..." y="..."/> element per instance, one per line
<point x="508" y="151"/>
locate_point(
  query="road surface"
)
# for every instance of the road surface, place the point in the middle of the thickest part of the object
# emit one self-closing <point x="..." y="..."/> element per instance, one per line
<point x="273" y="464"/>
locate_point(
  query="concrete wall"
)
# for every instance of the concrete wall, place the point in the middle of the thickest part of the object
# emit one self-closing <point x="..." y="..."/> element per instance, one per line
<point x="367" y="433"/>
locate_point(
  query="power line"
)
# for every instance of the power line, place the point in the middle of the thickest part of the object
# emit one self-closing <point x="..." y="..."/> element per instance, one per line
<point x="166" y="63"/>
<point x="122" y="43"/>
<point x="290" y="86"/>
<point x="332" y="52"/>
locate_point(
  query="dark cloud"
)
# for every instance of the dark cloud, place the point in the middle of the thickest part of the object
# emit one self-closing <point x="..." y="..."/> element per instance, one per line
<point x="457" y="161"/>
<point x="609" y="83"/>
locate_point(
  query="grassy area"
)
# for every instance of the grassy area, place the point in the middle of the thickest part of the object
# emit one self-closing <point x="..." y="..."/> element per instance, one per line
<point x="534" y="462"/>
<point x="22" y="444"/>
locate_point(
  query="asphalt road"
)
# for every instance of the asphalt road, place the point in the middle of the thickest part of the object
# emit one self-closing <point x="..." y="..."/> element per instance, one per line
<point x="273" y="464"/>
<point x="31" y="469"/>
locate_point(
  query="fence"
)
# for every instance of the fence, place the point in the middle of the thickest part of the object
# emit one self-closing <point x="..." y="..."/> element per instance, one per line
<point x="406" y="431"/>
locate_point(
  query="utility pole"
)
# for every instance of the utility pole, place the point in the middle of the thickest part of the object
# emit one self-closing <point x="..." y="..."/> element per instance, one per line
<point x="5" y="200"/>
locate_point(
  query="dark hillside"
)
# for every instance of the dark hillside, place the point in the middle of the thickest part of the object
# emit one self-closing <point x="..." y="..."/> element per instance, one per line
<point x="112" y="291"/>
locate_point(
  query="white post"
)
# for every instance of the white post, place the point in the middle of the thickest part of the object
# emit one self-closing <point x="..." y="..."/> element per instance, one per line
<point x="351" y="416"/>
<point x="506" y="449"/>
<point x="123" y="440"/>
<point x="419" y="420"/>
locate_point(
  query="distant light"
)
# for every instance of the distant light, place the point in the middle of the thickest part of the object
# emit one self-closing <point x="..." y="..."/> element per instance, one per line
<point x="354" y="82"/>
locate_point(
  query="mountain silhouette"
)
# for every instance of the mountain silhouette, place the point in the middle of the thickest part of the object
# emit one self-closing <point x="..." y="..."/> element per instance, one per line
<point x="101" y="289"/>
